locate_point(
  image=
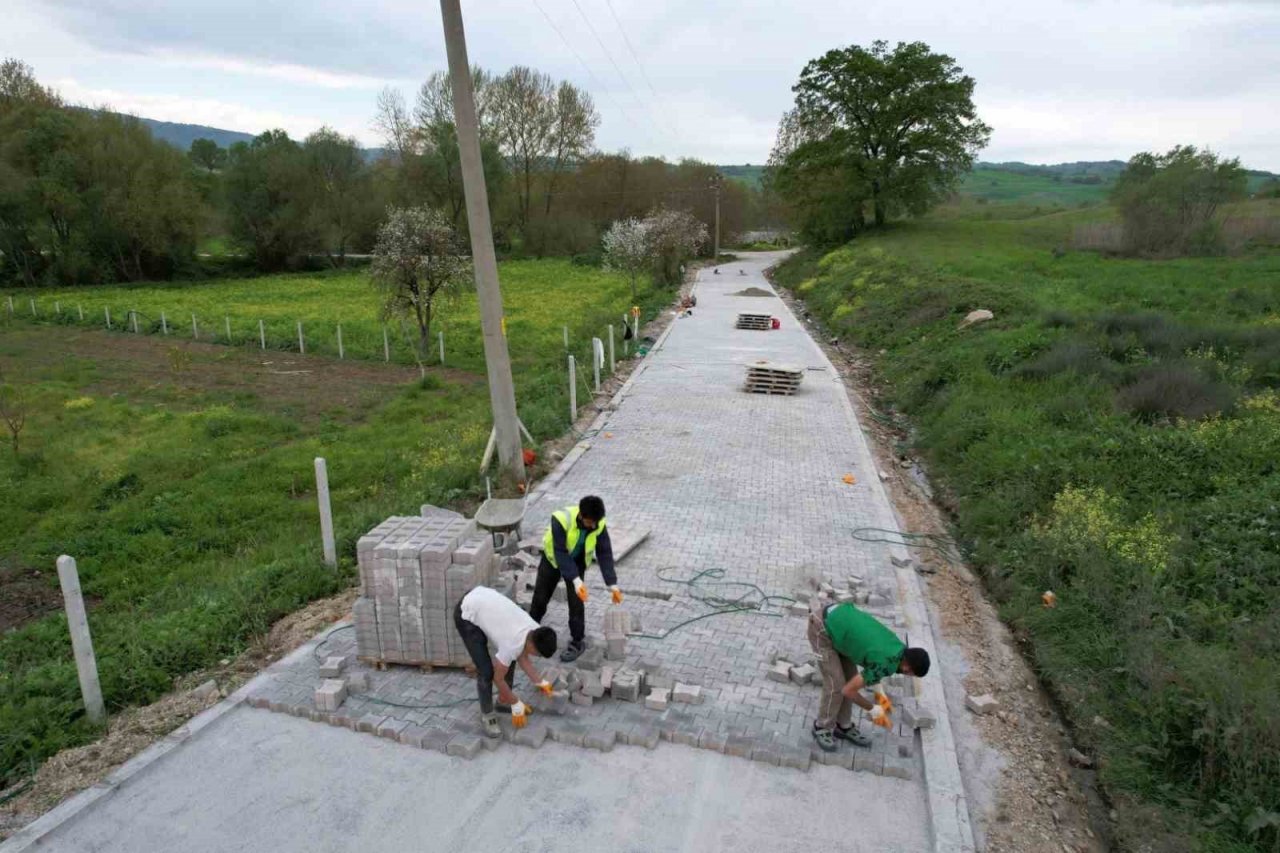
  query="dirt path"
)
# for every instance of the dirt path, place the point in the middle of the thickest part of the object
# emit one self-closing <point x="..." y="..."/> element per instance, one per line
<point x="1024" y="794"/>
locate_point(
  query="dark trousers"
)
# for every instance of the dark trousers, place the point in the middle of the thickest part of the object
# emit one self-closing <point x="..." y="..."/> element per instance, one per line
<point x="478" y="647"/>
<point x="548" y="577"/>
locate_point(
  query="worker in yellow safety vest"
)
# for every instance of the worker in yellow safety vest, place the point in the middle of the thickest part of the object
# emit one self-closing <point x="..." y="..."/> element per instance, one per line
<point x="575" y="538"/>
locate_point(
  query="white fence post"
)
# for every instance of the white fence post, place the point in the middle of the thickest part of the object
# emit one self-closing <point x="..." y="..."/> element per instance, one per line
<point x="10" y="305"/>
<point x="386" y="345"/>
<point x="164" y="323"/>
<point x="226" y="323"/>
<point x="611" y="351"/>
<point x="597" y="356"/>
<point x="262" y="335"/>
<point x="573" y="391"/>
<point x="133" y="315"/>
<point x="57" y="308"/>
<point x="302" y="347"/>
<point x="81" y="642"/>
<point x="107" y="310"/>
<point x="195" y="328"/>
<point x="33" y="307"/>
<point x="341" y="352"/>
<point x="79" y="308"/>
<point x="326" y="513"/>
<point x="566" y="336"/>
<point x="442" y="349"/>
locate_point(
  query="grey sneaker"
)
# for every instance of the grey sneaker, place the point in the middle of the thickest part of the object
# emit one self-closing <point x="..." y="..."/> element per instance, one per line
<point x="489" y="724"/>
<point x="826" y="740"/>
<point x="572" y="652"/>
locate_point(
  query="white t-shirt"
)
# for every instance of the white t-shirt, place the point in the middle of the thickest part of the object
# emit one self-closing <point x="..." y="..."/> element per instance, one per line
<point x="503" y="622"/>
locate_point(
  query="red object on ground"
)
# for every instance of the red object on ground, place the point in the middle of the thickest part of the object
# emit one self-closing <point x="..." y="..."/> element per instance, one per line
<point x="529" y="456"/>
<point x="777" y="324"/>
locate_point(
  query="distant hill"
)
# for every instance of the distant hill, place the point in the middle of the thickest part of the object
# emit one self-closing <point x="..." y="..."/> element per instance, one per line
<point x="182" y="135"/>
<point x="1072" y="184"/>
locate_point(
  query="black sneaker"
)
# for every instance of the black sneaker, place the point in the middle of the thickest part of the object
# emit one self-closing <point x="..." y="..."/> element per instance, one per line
<point x="572" y="652"/>
<point x="852" y="735"/>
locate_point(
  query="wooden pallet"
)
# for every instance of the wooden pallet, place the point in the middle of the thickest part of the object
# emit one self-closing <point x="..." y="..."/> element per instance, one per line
<point x="426" y="666"/>
<point x="755" y="322"/>
<point x="765" y="378"/>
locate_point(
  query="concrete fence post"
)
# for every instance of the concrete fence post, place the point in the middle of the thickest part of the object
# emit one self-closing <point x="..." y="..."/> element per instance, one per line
<point x="302" y="346"/>
<point x="33" y="307"/>
<point x="195" y="328"/>
<point x="226" y="324"/>
<point x="107" y="310"/>
<point x="597" y="356"/>
<point x="573" y="391"/>
<point x="10" y="305"/>
<point x="79" y="308"/>
<point x="326" y="513"/>
<point x="341" y="351"/>
<point x="386" y="345"/>
<point x="442" y="349"/>
<point x="133" y="316"/>
<point x="81" y="642"/>
<point x="57" y="308"/>
<point x="262" y="335"/>
<point x="164" y="323"/>
<point x="611" y="351"/>
<point x="566" y="336"/>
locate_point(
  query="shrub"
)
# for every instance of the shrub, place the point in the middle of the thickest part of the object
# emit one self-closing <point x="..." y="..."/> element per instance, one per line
<point x="1068" y="357"/>
<point x="1173" y="390"/>
<point x="1168" y="201"/>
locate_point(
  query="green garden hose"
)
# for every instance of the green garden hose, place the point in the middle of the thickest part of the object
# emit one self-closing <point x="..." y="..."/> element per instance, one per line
<point x="925" y="541"/>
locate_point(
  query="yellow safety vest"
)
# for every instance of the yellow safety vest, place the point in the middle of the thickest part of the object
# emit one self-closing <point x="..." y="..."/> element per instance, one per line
<point x="568" y="518"/>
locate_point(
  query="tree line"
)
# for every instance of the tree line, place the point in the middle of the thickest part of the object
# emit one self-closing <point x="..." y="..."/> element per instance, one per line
<point x="88" y="196"/>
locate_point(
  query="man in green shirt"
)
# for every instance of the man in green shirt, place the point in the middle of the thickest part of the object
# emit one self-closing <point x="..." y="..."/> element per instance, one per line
<point x="845" y="638"/>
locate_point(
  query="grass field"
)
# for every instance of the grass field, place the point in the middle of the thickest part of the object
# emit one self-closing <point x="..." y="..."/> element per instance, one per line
<point x="1113" y="435"/>
<point x="179" y="474"/>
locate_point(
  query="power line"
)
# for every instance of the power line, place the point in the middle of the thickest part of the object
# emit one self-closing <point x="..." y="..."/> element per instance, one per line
<point x="631" y="49"/>
<point x="608" y="55"/>
<point x="626" y="114"/>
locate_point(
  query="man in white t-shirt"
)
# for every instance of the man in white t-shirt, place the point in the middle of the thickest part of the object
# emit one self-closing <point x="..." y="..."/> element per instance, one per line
<point x="486" y="617"/>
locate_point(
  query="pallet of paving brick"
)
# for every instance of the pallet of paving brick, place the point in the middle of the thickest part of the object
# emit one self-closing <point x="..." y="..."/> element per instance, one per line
<point x="413" y="571"/>
<point x="755" y="322"/>
<point x="773" y="379"/>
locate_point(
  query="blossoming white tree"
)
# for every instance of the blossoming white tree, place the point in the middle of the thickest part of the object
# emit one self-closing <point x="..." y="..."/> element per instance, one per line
<point x="416" y="264"/>
<point x="627" y="250"/>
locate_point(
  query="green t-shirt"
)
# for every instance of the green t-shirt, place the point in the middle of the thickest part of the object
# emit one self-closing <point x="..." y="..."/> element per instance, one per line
<point x="864" y="640"/>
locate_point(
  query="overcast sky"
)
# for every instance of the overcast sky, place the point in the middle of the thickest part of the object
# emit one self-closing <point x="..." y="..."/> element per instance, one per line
<point x="1058" y="80"/>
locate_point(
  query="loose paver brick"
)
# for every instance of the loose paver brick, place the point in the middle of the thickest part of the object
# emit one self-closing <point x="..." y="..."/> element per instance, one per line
<point x="982" y="704"/>
<point x="464" y="745"/>
<point x="601" y="739"/>
<point x="781" y="672"/>
<point x="689" y="694"/>
<point x="657" y="700"/>
<point x="803" y="674"/>
<point x="333" y="666"/>
<point x="370" y="722"/>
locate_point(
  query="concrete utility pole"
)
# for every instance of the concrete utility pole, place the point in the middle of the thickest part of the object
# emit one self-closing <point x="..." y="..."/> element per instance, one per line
<point x="715" y="185"/>
<point x="502" y="392"/>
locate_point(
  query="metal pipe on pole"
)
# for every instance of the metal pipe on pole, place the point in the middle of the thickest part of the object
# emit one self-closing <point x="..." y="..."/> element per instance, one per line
<point x="502" y="394"/>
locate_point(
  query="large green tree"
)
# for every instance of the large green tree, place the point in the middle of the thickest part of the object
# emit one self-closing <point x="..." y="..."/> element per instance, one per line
<point x="890" y="129"/>
<point x="268" y="200"/>
<point x="1168" y="202"/>
<point x="343" y="210"/>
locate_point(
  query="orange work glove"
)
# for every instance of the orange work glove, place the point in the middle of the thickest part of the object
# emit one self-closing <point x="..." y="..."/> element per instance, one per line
<point x="581" y="589"/>
<point x="545" y="687"/>
<point x="617" y="594"/>
<point x="880" y="717"/>
<point x="883" y="701"/>
<point x="520" y="715"/>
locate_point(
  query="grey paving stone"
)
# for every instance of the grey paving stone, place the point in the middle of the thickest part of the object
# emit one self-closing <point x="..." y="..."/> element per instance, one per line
<point x="641" y="735"/>
<point x="601" y="739"/>
<point x="900" y="768"/>
<point x="370" y="722"/>
<point x="531" y="735"/>
<point x="712" y="740"/>
<point x="570" y="733"/>
<point x="739" y="745"/>
<point x="766" y="753"/>
<point x="390" y="728"/>
<point x="464" y="746"/>
<point x="867" y="761"/>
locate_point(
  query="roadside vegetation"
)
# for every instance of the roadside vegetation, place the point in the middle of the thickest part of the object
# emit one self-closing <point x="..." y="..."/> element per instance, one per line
<point x="1112" y="435"/>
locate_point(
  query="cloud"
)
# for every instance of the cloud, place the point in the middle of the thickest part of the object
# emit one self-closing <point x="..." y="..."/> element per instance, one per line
<point x="207" y="111"/>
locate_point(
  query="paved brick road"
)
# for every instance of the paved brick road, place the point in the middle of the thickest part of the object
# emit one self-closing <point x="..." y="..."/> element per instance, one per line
<point x="746" y="483"/>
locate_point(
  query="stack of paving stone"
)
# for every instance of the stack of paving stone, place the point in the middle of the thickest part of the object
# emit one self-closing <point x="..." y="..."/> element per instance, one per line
<point x="765" y="378"/>
<point x="413" y="571"/>
<point x="755" y="322"/>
